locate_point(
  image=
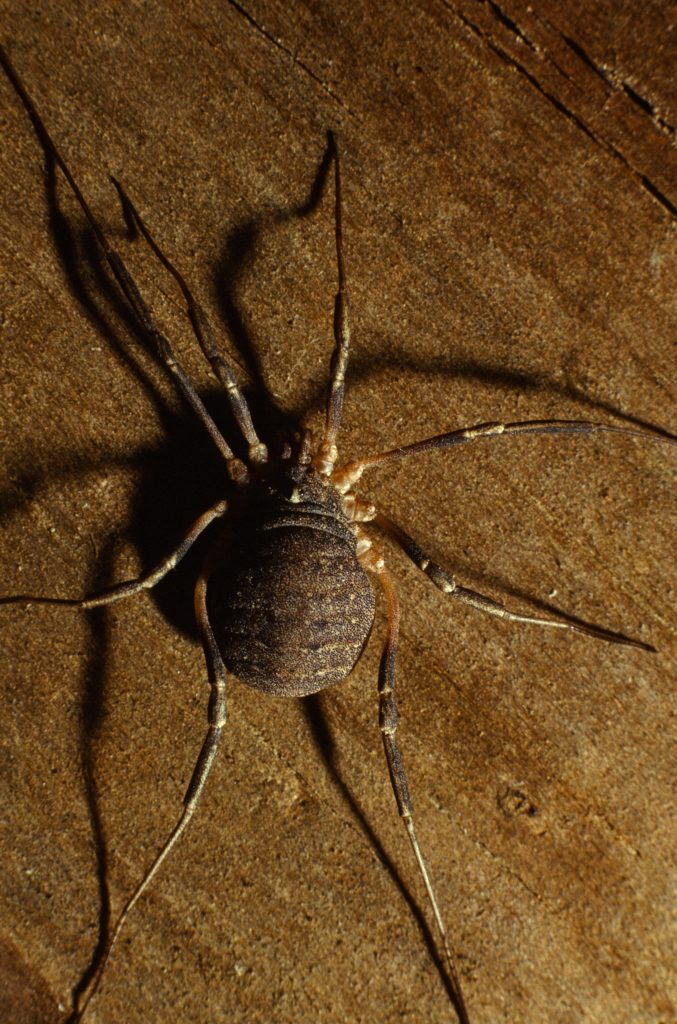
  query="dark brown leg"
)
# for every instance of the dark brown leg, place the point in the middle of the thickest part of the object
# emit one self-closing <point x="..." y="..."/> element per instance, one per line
<point x="205" y="336"/>
<point x="119" y="591"/>
<point x="446" y="583"/>
<point x="326" y="455"/>
<point x="346" y="476"/>
<point x="398" y="777"/>
<point x="128" y="286"/>
<point x="217" y="720"/>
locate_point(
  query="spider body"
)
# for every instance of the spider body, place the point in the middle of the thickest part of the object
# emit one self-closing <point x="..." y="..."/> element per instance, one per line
<point x="292" y="607"/>
<point x="284" y="602"/>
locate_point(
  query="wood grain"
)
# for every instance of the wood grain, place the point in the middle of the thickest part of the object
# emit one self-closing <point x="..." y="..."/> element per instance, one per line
<point x="510" y="189"/>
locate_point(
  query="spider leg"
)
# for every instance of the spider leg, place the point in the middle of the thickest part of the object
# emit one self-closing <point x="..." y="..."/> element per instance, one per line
<point x="120" y="591"/>
<point x="202" y="330"/>
<point x="388" y="725"/>
<point x="445" y="582"/>
<point x="326" y="455"/>
<point x="217" y="720"/>
<point x="345" y="477"/>
<point x="128" y="286"/>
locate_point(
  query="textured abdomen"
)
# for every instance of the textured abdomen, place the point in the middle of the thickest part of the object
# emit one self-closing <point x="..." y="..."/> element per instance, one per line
<point x="292" y="611"/>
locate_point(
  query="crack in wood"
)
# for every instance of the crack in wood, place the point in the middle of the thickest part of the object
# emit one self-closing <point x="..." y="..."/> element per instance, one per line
<point x="638" y="176"/>
<point x="278" y="44"/>
<point x="614" y="82"/>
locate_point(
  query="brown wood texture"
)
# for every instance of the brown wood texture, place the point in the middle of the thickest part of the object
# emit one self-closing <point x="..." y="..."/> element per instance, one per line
<point x="510" y="189"/>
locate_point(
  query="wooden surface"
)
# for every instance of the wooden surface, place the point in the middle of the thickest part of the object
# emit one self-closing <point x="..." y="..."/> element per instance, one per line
<point x="509" y="205"/>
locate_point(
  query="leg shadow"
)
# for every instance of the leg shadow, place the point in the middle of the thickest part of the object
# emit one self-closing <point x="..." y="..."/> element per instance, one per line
<point x="324" y="742"/>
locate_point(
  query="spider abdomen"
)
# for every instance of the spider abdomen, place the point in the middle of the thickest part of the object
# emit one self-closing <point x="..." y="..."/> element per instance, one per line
<point x="293" y="611"/>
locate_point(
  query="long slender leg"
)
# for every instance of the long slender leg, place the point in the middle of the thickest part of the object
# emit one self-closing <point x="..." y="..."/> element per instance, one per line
<point x="205" y="336"/>
<point x="127" y="284"/>
<point x="326" y="455"/>
<point x="346" y="476"/>
<point x="119" y="591"/>
<point x="445" y="582"/>
<point x="398" y="777"/>
<point x="217" y="720"/>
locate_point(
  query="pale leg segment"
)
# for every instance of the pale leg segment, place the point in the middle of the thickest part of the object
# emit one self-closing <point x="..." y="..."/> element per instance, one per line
<point x="345" y="477"/>
<point x="203" y="332"/>
<point x="217" y="720"/>
<point x="445" y="582"/>
<point x="388" y="720"/>
<point x="236" y="468"/>
<point x="327" y="453"/>
<point x="120" y="591"/>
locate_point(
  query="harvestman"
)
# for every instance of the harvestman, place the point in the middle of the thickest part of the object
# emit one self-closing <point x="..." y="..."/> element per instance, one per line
<point x="291" y="613"/>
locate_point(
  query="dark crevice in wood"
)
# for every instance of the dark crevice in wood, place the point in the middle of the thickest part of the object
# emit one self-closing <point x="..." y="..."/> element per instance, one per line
<point x="611" y="81"/>
<point x="278" y="44"/>
<point x="642" y="179"/>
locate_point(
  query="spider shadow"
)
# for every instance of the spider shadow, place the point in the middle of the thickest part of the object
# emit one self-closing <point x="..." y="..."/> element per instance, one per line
<point x="238" y="253"/>
<point x="165" y="504"/>
<point x="157" y="514"/>
<point x="92" y="713"/>
<point x="318" y="725"/>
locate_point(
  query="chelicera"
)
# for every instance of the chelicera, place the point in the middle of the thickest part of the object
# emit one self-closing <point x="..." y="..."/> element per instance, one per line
<point x="290" y="613"/>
